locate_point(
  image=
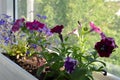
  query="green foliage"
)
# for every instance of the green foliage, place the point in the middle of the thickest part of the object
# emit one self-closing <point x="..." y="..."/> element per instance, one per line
<point x="88" y="61"/>
<point x="18" y="49"/>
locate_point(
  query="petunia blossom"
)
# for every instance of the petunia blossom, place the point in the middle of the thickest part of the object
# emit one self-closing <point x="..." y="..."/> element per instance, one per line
<point x="35" y="25"/>
<point x="95" y="28"/>
<point x="75" y="31"/>
<point x="105" y="47"/>
<point x="18" y="24"/>
<point x="70" y="64"/>
<point x="57" y="29"/>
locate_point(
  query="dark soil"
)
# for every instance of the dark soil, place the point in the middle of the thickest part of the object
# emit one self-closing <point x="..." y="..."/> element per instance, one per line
<point x="30" y="64"/>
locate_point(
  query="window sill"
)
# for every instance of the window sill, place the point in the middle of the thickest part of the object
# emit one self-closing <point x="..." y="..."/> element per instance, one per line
<point x="100" y="76"/>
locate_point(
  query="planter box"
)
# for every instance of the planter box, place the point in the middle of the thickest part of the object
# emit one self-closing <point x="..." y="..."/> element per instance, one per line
<point x="11" y="71"/>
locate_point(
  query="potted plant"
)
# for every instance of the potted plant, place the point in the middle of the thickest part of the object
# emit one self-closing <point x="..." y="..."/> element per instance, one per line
<point x="33" y="46"/>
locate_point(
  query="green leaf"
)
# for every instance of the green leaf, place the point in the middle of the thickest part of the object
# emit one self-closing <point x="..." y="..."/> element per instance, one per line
<point x="79" y="74"/>
<point x="40" y="70"/>
<point x="101" y="62"/>
<point x="57" y="49"/>
<point x="66" y="38"/>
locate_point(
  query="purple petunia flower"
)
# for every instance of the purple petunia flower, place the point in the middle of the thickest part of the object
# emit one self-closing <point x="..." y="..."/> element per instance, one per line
<point x="70" y="64"/>
<point x="105" y="47"/>
<point x="57" y="29"/>
<point x="18" y="24"/>
<point x="35" y="25"/>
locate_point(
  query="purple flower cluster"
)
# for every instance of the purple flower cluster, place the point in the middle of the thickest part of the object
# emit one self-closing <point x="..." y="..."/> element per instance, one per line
<point x="70" y="64"/>
<point x="5" y="29"/>
<point x="31" y="26"/>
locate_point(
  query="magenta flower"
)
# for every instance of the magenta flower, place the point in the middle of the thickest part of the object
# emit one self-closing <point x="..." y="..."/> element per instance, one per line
<point x="18" y="24"/>
<point x="57" y="29"/>
<point x="70" y="64"/>
<point x="35" y="25"/>
<point x="95" y="28"/>
<point x="105" y="47"/>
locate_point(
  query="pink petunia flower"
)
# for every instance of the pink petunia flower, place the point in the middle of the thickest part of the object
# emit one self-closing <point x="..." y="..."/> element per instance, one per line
<point x="95" y="28"/>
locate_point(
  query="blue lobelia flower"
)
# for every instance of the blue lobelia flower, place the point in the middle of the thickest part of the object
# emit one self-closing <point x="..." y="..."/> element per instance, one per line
<point x="6" y="40"/>
<point x="42" y="17"/>
<point x="33" y="46"/>
<point x="6" y="16"/>
<point x="28" y="52"/>
<point x="2" y="22"/>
